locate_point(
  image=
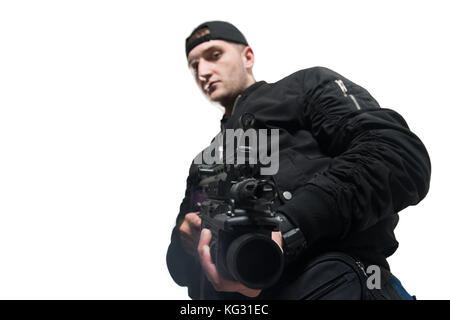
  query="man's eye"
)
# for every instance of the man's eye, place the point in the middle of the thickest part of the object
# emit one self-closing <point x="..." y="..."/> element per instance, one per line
<point x="216" y="54"/>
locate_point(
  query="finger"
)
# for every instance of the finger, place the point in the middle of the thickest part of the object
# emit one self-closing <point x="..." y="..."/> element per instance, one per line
<point x="193" y="219"/>
<point x="186" y="239"/>
<point x="278" y="238"/>
<point x="209" y="267"/>
<point x="205" y="238"/>
<point x="185" y="229"/>
<point x="219" y="282"/>
<point x="212" y="273"/>
<point x="252" y="293"/>
<point x="190" y="220"/>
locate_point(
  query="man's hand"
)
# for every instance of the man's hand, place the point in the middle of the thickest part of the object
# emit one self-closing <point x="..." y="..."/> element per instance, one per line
<point x="217" y="280"/>
<point x="278" y="238"/>
<point x="190" y="232"/>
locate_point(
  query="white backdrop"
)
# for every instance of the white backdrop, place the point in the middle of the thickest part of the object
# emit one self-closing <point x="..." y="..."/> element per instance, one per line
<point x="100" y="118"/>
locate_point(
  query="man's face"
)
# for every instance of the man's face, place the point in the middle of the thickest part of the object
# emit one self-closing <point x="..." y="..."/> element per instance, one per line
<point x="219" y="70"/>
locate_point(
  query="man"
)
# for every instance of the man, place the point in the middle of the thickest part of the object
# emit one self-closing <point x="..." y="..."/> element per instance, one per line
<point x="346" y="168"/>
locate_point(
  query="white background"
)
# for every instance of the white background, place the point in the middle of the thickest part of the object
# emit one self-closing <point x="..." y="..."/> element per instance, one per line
<point x="100" y="118"/>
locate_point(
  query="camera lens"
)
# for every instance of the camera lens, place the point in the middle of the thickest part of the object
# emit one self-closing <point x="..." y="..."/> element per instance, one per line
<point x="255" y="260"/>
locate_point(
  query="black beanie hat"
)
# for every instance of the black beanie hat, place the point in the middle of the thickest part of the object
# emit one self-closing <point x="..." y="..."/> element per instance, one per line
<point x="218" y="30"/>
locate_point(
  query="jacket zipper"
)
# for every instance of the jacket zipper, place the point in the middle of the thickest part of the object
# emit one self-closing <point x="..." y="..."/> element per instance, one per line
<point x="361" y="267"/>
<point x="326" y="288"/>
<point x="235" y="103"/>
<point x="341" y="85"/>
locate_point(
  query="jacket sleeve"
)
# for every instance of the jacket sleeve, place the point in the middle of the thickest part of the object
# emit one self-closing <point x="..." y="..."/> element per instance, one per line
<point x="379" y="166"/>
<point x="181" y="265"/>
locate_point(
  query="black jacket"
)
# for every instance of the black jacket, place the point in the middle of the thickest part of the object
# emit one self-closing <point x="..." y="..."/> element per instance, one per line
<point x="350" y="165"/>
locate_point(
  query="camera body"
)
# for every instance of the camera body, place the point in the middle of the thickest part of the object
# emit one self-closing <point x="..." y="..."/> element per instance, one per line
<point x="238" y="211"/>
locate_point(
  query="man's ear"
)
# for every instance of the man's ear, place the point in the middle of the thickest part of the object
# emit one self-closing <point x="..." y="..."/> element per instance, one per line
<point x="248" y="57"/>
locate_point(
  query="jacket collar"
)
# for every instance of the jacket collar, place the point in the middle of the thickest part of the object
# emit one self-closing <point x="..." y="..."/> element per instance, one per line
<point x="252" y="88"/>
<point x="248" y="91"/>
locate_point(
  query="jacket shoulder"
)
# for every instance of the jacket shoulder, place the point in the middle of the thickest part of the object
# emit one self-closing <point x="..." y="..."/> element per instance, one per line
<point x="317" y="73"/>
<point x="310" y="77"/>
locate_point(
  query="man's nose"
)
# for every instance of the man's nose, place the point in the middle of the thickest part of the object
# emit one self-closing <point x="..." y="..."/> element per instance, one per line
<point x="204" y="69"/>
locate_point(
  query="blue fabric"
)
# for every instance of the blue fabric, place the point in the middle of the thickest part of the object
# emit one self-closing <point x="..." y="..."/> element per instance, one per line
<point x="400" y="289"/>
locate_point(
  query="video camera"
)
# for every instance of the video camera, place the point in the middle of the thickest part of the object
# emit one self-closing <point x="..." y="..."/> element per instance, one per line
<point x="238" y="211"/>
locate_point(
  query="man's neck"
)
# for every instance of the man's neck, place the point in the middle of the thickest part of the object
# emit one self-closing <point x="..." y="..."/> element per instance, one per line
<point x="230" y="105"/>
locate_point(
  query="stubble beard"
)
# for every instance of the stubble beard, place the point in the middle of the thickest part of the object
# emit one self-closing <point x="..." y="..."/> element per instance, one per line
<point x="225" y="98"/>
<point x="228" y="99"/>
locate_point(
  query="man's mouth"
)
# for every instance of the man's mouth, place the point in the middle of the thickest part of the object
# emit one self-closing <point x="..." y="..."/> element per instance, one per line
<point x="208" y="86"/>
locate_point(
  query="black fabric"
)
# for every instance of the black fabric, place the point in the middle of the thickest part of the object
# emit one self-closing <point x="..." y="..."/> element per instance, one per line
<point x="333" y="276"/>
<point x="218" y="30"/>
<point x="351" y="167"/>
